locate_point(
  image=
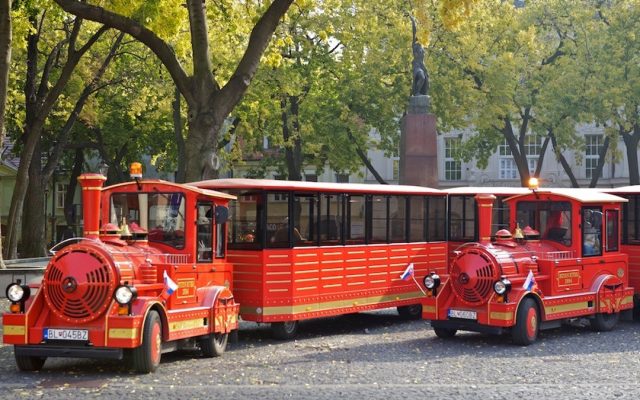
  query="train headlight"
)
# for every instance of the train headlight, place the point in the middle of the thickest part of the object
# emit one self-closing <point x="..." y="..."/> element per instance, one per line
<point x="500" y="287"/>
<point x="17" y="292"/>
<point x="125" y="294"/>
<point x="503" y="286"/>
<point x="431" y="281"/>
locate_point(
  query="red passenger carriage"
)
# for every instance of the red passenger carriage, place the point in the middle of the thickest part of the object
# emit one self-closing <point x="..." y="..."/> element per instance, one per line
<point x="304" y="250"/>
<point x="149" y="276"/>
<point x="565" y="263"/>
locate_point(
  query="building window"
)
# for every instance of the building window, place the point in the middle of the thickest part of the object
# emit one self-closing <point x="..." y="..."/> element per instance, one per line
<point x="311" y="177"/>
<point x="508" y="169"/>
<point x="61" y="194"/>
<point x="592" y="153"/>
<point x="452" y="164"/>
<point x="342" y="178"/>
<point x="532" y="148"/>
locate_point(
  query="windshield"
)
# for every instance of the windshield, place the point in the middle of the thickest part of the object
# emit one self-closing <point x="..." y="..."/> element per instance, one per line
<point x="551" y="219"/>
<point x="160" y="214"/>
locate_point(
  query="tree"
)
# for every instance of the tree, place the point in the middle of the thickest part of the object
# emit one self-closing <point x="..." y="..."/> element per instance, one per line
<point x="333" y="75"/>
<point x="40" y="98"/>
<point x="5" y="61"/>
<point x="209" y="103"/>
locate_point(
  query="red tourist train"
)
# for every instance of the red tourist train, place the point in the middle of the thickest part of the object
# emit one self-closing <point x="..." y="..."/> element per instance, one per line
<point x="565" y="263"/>
<point x="163" y="266"/>
<point x="149" y="275"/>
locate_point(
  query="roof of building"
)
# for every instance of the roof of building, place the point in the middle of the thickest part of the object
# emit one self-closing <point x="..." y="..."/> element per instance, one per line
<point x="272" y="184"/>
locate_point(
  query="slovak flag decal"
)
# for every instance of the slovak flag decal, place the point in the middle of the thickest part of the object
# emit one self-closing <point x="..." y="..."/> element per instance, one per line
<point x="169" y="284"/>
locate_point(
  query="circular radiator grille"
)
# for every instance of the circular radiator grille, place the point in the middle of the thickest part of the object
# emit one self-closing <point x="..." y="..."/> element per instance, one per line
<point x="473" y="274"/>
<point x="78" y="285"/>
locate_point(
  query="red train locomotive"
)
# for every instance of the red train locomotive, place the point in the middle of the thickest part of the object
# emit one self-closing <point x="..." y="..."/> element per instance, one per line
<point x="565" y="263"/>
<point x="149" y="276"/>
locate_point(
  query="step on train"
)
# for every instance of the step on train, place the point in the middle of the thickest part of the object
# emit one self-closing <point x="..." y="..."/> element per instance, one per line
<point x="164" y="266"/>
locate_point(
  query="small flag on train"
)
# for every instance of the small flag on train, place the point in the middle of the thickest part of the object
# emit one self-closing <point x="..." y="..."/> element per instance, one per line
<point x="169" y="284"/>
<point x="530" y="282"/>
<point x="408" y="273"/>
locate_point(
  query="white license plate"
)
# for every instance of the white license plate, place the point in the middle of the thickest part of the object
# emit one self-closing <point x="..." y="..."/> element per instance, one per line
<point x="66" y="334"/>
<point x="464" y="314"/>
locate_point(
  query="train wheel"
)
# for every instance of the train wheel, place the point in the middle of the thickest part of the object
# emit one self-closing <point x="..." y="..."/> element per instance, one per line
<point x="525" y="331"/>
<point x="603" y="322"/>
<point x="146" y="357"/>
<point x="284" y="330"/>
<point x="214" y="344"/>
<point x="445" y="333"/>
<point x="413" y="311"/>
<point x="30" y="363"/>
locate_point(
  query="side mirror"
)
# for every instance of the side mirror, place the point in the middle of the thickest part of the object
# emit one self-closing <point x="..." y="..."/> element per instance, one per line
<point x="222" y="214"/>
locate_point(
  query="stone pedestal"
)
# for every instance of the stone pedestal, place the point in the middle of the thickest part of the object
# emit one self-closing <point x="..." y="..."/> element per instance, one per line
<point x="418" y="145"/>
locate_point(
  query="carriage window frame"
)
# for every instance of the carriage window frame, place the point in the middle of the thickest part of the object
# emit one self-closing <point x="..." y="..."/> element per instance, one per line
<point x="437" y="222"/>
<point x="246" y="234"/>
<point x="204" y="239"/>
<point x="612" y="223"/>
<point x="593" y="233"/>
<point x="469" y="216"/>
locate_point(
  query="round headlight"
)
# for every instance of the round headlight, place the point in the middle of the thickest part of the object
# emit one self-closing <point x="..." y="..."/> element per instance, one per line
<point x="500" y="287"/>
<point x="123" y="295"/>
<point x="429" y="282"/>
<point x="15" y="292"/>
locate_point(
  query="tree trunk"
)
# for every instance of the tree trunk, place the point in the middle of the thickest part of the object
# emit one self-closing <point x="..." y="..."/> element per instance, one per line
<point x="69" y="212"/>
<point x="601" y="160"/>
<point x="563" y="161"/>
<point x="291" y="135"/>
<point x="34" y="221"/>
<point x="543" y="151"/>
<point x="200" y="149"/>
<point x="519" y="156"/>
<point x="177" y="129"/>
<point x="631" y="143"/>
<point x="5" y="62"/>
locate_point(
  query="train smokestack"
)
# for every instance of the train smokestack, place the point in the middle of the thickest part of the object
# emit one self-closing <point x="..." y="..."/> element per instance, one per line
<point x="91" y="184"/>
<point x="485" y="215"/>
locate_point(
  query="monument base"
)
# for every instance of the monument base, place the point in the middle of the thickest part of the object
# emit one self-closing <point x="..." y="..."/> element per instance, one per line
<point x="419" y="149"/>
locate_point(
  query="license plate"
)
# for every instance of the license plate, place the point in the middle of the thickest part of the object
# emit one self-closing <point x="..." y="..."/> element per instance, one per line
<point x="66" y="334"/>
<point x="463" y="314"/>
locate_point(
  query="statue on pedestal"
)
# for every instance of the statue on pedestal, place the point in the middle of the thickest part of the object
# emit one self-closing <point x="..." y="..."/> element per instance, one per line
<point x="420" y="85"/>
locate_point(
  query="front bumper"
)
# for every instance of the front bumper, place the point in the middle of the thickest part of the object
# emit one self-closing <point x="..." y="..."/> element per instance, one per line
<point x="43" y="350"/>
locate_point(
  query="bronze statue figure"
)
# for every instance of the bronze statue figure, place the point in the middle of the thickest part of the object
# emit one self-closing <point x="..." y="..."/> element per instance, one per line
<point x="420" y="76"/>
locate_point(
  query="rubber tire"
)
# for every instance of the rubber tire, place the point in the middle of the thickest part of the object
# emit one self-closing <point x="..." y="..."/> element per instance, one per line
<point x="30" y="363"/>
<point x="214" y="344"/>
<point x="410" y="312"/>
<point x="523" y="333"/>
<point x="445" y="333"/>
<point x="144" y="361"/>
<point x="603" y="322"/>
<point x="284" y="330"/>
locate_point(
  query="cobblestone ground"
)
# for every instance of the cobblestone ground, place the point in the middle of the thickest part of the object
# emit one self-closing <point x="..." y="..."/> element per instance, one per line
<point x="361" y="356"/>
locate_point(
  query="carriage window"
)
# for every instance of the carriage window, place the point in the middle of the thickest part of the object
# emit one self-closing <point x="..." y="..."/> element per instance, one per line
<point x="591" y="231"/>
<point x="417" y="206"/>
<point x="398" y="218"/>
<point x="462" y="218"/>
<point x="245" y="216"/>
<point x="355" y="221"/>
<point x="278" y="228"/>
<point x="330" y="219"/>
<point x="205" y="232"/>
<point x="160" y="214"/>
<point x="630" y="225"/>
<point x="436" y="222"/>
<point x="379" y="219"/>
<point x="612" y="230"/>
<point x="306" y="211"/>
<point x="551" y="219"/>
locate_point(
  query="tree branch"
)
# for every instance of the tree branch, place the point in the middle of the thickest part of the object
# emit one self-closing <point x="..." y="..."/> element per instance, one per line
<point x="159" y="47"/>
